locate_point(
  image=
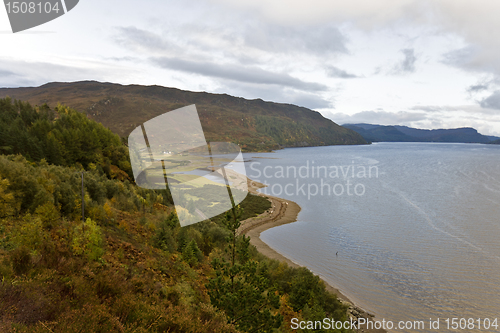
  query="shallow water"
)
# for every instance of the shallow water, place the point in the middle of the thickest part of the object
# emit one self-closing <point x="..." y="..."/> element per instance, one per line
<point x="417" y="237"/>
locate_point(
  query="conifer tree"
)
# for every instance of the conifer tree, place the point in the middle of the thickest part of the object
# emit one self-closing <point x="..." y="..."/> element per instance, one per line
<point x="239" y="289"/>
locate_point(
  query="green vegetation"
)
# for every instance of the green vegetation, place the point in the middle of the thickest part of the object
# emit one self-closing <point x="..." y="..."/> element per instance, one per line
<point x="244" y="293"/>
<point x="62" y="136"/>
<point x="130" y="267"/>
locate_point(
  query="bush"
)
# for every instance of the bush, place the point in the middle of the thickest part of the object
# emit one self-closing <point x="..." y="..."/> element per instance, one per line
<point x="21" y="260"/>
<point x="30" y="233"/>
<point x="91" y="319"/>
<point x="5" y="239"/>
<point x="96" y="212"/>
<point x="48" y="214"/>
<point x="5" y="269"/>
<point x="122" y="202"/>
<point x="95" y="189"/>
<point x="88" y="240"/>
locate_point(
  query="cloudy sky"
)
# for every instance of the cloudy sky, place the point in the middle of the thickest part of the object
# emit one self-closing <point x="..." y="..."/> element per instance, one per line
<point x="427" y="64"/>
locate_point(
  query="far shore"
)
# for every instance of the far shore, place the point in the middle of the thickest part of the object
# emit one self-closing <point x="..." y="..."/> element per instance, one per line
<point x="283" y="212"/>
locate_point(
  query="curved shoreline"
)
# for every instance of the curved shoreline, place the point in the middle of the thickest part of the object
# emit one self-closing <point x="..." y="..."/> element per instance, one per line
<point x="282" y="212"/>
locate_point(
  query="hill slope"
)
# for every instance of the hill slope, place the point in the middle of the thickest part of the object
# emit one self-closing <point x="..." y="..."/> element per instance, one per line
<point x="130" y="266"/>
<point x="254" y="124"/>
<point x="379" y="133"/>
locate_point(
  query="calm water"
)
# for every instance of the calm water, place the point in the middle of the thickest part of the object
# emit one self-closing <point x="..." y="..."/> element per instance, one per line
<point x="419" y="239"/>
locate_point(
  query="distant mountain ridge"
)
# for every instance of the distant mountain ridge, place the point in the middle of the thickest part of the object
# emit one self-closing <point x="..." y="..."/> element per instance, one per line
<point x="396" y="133"/>
<point x="255" y="125"/>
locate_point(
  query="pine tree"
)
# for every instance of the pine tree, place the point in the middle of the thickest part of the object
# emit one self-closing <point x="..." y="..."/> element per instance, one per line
<point x="239" y="289"/>
<point x="191" y="253"/>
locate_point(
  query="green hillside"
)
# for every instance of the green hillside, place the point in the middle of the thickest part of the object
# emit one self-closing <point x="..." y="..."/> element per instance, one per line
<point x="129" y="267"/>
<point x="61" y="136"/>
<point x="254" y="124"/>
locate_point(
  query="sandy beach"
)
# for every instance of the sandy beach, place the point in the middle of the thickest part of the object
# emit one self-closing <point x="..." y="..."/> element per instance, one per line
<point x="282" y="212"/>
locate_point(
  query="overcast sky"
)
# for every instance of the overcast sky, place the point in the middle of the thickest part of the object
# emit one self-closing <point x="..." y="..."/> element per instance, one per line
<point x="426" y="64"/>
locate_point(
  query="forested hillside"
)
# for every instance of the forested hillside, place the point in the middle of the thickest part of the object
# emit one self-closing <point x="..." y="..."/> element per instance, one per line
<point x="255" y="125"/>
<point x="61" y="136"/>
<point x="129" y="267"/>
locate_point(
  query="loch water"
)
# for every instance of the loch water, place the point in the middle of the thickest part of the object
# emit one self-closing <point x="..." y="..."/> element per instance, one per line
<point x="416" y="225"/>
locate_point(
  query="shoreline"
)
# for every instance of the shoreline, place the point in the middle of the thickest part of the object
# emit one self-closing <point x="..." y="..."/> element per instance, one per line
<point x="283" y="212"/>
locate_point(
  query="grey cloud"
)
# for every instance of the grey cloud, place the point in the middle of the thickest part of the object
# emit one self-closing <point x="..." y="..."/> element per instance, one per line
<point x="237" y="73"/>
<point x="310" y="101"/>
<point x="492" y="101"/>
<point x="407" y="65"/>
<point x="339" y="73"/>
<point x="133" y="37"/>
<point x="38" y="73"/>
<point x="5" y="73"/>
<point x="319" y="40"/>
<point x="276" y="94"/>
<point x="476" y="22"/>
<point x="458" y="57"/>
<point x="239" y="48"/>
<point x="242" y="35"/>
<point x="428" y="108"/>
<point x="126" y="58"/>
<point x="477" y="88"/>
<point x="452" y="110"/>
<point x="475" y="58"/>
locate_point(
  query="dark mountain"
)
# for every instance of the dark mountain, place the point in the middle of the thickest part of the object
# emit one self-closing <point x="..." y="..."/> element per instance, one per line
<point x="495" y="142"/>
<point x="493" y="138"/>
<point x="379" y="133"/>
<point x="254" y="124"/>
<point x="364" y="126"/>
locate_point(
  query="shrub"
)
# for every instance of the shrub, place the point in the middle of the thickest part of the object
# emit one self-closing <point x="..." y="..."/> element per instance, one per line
<point x="88" y="240"/>
<point x="91" y="319"/>
<point x="7" y="200"/>
<point x="96" y="212"/>
<point x="30" y="232"/>
<point x="48" y="214"/>
<point x="21" y="260"/>
<point x="122" y="202"/>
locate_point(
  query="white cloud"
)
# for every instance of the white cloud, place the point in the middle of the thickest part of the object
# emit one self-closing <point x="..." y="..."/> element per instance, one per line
<point x="285" y="51"/>
<point x="276" y="93"/>
<point x="32" y="73"/>
<point x="378" y="117"/>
